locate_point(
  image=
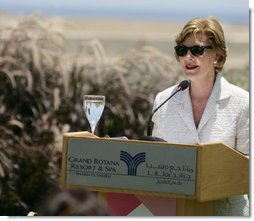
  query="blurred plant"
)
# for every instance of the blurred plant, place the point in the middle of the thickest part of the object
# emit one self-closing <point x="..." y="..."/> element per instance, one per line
<point x="129" y="84"/>
<point x="239" y="77"/>
<point x="41" y="98"/>
<point x="28" y="162"/>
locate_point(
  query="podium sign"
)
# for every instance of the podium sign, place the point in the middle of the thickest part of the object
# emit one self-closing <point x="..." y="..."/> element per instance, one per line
<point x="132" y="166"/>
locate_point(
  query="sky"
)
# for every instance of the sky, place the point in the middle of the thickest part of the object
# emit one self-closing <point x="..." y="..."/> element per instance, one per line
<point x="234" y="11"/>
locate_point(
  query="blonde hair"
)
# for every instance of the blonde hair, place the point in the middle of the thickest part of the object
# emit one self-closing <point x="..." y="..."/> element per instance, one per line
<point x="215" y="34"/>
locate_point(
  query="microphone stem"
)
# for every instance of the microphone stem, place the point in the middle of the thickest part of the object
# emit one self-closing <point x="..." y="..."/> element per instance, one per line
<point x="150" y="126"/>
<point x="150" y="123"/>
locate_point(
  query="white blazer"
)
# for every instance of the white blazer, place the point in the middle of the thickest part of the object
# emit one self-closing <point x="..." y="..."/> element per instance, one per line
<point x="225" y="118"/>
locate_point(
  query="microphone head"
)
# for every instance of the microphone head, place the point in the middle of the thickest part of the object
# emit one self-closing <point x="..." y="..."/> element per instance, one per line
<point x="183" y="85"/>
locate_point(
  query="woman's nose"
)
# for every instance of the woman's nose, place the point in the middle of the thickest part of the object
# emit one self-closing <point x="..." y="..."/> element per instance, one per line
<point x="189" y="54"/>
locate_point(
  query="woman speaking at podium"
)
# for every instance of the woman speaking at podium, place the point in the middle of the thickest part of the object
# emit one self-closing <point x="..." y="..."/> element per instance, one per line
<point x="211" y="109"/>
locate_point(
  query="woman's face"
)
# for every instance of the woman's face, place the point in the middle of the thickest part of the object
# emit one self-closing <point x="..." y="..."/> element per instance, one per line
<point x="201" y="66"/>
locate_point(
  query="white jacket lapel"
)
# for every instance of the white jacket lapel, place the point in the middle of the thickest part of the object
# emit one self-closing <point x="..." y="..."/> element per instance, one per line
<point x="219" y="94"/>
<point x="185" y="110"/>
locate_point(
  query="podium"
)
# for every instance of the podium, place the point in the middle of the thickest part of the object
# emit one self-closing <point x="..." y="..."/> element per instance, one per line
<point x="153" y="178"/>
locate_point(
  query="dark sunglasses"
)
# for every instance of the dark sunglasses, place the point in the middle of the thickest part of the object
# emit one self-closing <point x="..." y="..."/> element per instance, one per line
<point x="196" y="50"/>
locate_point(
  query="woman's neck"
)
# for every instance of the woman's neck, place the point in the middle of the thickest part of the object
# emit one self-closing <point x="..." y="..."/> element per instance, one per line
<point x="201" y="90"/>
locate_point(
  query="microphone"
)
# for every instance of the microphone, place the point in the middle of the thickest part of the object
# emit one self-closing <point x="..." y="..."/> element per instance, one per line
<point x="182" y="86"/>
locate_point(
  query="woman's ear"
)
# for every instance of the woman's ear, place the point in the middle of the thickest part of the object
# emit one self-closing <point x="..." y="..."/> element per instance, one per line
<point x="216" y="59"/>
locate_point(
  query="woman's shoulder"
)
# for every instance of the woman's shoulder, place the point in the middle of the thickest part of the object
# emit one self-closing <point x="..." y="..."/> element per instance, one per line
<point x="235" y="90"/>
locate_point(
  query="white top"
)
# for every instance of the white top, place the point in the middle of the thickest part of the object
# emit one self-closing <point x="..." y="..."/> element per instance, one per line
<point x="225" y="118"/>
